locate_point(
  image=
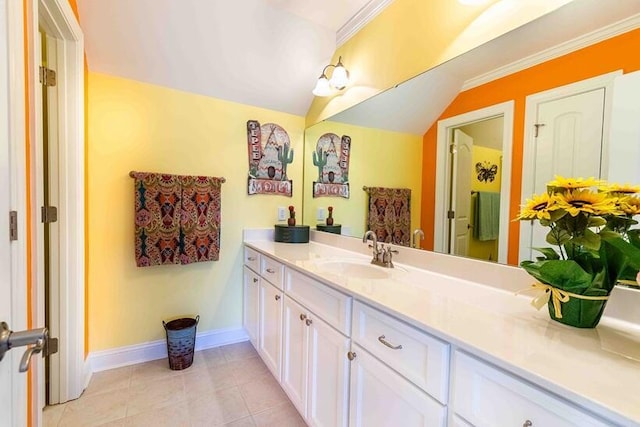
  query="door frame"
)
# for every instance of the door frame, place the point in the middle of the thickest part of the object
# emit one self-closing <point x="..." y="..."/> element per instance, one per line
<point x="443" y="157"/>
<point x="604" y="81"/>
<point x="57" y="17"/>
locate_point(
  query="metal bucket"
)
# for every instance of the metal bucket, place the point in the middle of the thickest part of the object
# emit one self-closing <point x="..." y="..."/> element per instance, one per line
<point x="181" y="341"/>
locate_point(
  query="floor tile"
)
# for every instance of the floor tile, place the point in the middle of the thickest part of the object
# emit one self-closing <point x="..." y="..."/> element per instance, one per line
<point x="176" y="415"/>
<point x="213" y="356"/>
<point x="284" y="415"/>
<point x="114" y="379"/>
<point x="241" y="350"/>
<point x="218" y="408"/>
<point x="152" y="371"/>
<point x="262" y="393"/>
<point x="246" y="370"/>
<point x="243" y="422"/>
<point x="95" y="410"/>
<point x="51" y="415"/>
<point x="154" y="395"/>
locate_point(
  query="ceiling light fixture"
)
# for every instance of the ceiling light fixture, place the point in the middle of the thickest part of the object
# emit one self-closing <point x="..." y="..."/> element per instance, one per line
<point x="339" y="79"/>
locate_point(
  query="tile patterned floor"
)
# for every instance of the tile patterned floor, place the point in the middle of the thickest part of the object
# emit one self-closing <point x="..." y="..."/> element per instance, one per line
<point x="225" y="386"/>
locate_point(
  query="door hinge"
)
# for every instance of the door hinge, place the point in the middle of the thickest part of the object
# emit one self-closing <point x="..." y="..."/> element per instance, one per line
<point x="451" y="214"/>
<point x="49" y="214"/>
<point x="452" y="148"/>
<point x="51" y="347"/>
<point x="47" y="76"/>
<point x="13" y="225"/>
<point x="538" y="126"/>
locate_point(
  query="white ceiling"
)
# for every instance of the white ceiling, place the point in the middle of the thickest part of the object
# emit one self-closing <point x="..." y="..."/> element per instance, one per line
<point x="266" y="53"/>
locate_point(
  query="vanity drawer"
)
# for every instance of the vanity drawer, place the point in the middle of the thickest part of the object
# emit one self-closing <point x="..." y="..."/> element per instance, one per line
<point x="332" y="306"/>
<point x="487" y="396"/>
<point x="419" y="357"/>
<point x="271" y="270"/>
<point x="252" y="259"/>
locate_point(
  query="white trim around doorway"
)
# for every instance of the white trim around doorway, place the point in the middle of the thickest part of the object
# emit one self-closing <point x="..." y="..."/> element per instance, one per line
<point x="57" y="17"/>
<point x="445" y="129"/>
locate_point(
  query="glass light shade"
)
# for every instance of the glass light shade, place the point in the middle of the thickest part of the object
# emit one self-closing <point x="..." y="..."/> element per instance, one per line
<point x="323" y="88"/>
<point x="340" y="77"/>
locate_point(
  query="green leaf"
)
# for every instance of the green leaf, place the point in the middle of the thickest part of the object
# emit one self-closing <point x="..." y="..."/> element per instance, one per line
<point x="558" y="237"/>
<point x="557" y="214"/>
<point x="596" y="221"/>
<point x="549" y="253"/>
<point x="589" y="240"/>
<point x="627" y="250"/>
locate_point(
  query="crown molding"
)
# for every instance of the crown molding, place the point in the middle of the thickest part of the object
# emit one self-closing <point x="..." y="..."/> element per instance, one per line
<point x="360" y="19"/>
<point x="565" y="48"/>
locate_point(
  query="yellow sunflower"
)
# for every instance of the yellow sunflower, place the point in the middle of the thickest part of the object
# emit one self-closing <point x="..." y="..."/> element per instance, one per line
<point x="588" y="202"/>
<point x="538" y="207"/>
<point x="621" y="189"/>
<point x="561" y="182"/>
<point x="629" y="205"/>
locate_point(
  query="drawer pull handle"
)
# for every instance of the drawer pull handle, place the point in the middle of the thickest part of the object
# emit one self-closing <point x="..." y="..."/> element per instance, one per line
<point x="382" y="339"/>
<point x="303" y="316"/>
<point x="308" y="322"/>
<point x="251" y="258"/>
<point x="277" y="297"/>
<point x="255" y="280"/>
<point x="351" y="355"/>
<point x="527" y="424"/>
<point x="270" y="270"/>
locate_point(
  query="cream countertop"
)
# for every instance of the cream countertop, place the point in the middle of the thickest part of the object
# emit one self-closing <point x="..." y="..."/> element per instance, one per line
<point x="598" y="369"/>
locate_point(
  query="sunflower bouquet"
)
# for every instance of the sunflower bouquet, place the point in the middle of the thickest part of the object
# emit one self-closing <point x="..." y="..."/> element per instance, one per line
<point x="594" y="246"/>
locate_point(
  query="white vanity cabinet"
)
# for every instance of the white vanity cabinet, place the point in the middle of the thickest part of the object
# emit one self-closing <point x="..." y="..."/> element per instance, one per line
<point x="251" y="299"/>
<point x="399" y="374"/>
<point x="315" y="372"/>
<point x="486" y="396"/>
<point x="270" y="314"/>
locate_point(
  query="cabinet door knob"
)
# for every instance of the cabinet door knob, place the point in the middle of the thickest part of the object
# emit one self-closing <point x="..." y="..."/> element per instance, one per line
<point x="527" y="423"/>
<point x="308" y="322"/>
<point x="251" y="258"/>
<point x="382" y="339"/>
<point x="255" y="280"/>
<point x="270" y="270"/>
<point x="303" y="316"/>
<point x="277" y="297"/>
<point x="351" y="355"/>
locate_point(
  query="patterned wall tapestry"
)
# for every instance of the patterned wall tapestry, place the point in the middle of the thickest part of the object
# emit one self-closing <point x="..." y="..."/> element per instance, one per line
<point x="331" y="157"/>
<point x="269" y="153"/>
<point x="390" y="214"/>
<point x="177" y="218"/>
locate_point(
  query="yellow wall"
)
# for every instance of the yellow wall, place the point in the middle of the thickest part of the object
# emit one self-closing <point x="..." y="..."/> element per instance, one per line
<point x="412" y="36"/>
<point x="137" y="126"/>
<point x="478" y="249"/>
<point x="376" y="156"/>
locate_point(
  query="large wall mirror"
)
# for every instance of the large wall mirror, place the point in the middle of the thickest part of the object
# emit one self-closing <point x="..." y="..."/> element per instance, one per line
<point x="474" y="136"/>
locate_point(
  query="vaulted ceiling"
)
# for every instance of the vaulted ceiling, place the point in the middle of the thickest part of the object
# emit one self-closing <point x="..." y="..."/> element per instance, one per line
<point x="266" y="53"/>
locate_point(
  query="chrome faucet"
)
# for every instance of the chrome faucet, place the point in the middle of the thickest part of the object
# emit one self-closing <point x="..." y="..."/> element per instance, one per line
<point x="417" y="232"/>
<point x="382" y="256"/>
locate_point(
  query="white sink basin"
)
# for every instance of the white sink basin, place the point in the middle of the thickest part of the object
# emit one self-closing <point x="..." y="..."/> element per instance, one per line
<point x="360" y="269"/>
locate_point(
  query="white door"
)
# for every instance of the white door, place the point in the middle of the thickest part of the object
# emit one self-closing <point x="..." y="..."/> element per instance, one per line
<point x="251" y="305"/>
<point x="294" y="354"/>
<point x="569" y="143"/>
<point x="381" y="397"/>
<point x="8" y="370"/>
<point x="461" y="192"/>
<point x="270" y="334"/>
<point x="328" y="386"/>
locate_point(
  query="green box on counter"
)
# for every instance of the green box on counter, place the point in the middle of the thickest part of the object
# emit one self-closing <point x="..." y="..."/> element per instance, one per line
<point x="335" y="229"/>
<point x="291" y="234"/>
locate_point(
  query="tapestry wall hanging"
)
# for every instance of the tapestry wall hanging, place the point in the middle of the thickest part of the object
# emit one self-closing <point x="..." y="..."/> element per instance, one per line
<point x="270" y="153"/>
<point x="177" y="218"/>
<point x="331" y="157"/>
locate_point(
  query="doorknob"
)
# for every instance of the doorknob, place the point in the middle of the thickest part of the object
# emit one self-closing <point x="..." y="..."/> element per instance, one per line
<point x="38" y="339"/>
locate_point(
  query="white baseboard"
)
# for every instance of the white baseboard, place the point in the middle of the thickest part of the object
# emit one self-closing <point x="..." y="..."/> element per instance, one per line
<point x="139" y="353"/>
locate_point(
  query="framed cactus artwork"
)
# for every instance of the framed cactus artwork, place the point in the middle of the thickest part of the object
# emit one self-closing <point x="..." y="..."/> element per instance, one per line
<point x="269" y="154"/>
<point x="331" y="157"/>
